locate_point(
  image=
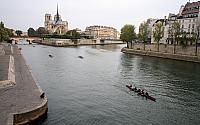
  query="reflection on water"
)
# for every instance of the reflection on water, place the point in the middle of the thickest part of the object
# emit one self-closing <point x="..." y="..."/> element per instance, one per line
<point x="107" y="47"/>
<point x="92" y="90"/>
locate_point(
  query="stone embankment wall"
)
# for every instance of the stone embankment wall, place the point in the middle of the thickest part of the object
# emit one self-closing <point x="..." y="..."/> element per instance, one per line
<point x="165" y="51"/>
<point x="28" y="116"/>
<point x="31" y="115"/>
<point x="2" y="52"/>
<point x="67" y="42"/>
<point x="8" y="68"/>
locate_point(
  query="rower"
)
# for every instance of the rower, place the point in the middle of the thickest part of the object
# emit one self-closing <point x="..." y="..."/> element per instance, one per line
<point x="131" y="87"/>
<point x="138" y="90"/>
<point x="142" y="92"/>
<point x="147" y="94"/>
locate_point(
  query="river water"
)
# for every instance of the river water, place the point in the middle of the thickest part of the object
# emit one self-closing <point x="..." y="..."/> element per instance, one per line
<point x="91" y="91"/>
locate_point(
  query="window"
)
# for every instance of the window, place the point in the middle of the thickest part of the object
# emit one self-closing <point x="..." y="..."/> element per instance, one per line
<point x="193" y="26"/>
<point x="183" y="21"/>
<point x="189" y="26"/>
<point x="182" y="26"/>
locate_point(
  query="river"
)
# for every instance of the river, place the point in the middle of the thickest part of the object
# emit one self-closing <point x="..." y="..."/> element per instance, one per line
<point x="92" y="90"/>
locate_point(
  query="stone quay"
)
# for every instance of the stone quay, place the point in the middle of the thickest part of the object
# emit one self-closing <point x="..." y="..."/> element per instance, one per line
<point x="22" y="101"/>
<point x="165" y="51"/>
<point x="76" y="42"/>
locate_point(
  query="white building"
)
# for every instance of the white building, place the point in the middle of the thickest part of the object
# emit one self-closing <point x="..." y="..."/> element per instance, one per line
<point x="101" y="32"/>
<point x="188" y="17"/>
<point x="166" y="31"/>
<point x="150" y="23"/>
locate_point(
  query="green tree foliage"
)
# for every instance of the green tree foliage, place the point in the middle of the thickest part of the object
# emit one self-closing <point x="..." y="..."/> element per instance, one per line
<point x="5" y="33"/>
<point x="193" y="37"/>
<point x="197" y="32"/>
<point x="10" y="32"/>
<point x="128" y="34"/>
<point x="32" y="32"/>
<point x="71" y="34"/>
<point x="184" y="39"/>
<point x="1" y="25"/>
<point x="158" y="32"/>
<point x="42" y="31"/>
<point x="175" y="32"/>
<point x="18" y="32"/>
<point x="143" y="32"/>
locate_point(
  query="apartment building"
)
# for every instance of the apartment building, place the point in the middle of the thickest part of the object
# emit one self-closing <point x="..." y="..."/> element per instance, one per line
<point x="101" y="32"/>
<point x="188" y="17"/>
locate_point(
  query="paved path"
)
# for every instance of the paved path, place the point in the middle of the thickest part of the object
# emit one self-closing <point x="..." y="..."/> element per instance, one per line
<point x="22" y="96"/>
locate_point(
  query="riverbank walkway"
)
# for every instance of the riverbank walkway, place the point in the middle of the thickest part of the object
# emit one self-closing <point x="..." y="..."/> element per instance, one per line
<point x="24" y="94"/>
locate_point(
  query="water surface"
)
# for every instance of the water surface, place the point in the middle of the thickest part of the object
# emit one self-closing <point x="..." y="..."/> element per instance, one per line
<point x="91" y="91"/>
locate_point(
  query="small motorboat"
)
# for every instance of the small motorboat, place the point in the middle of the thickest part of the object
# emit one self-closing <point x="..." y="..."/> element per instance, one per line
<point x="50" y="56"/>
<point x="80" y="57"/>
<point x="139" y="93"/>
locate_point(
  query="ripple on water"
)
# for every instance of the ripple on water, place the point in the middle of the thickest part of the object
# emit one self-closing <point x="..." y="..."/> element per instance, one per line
<point x="92" y="91"/>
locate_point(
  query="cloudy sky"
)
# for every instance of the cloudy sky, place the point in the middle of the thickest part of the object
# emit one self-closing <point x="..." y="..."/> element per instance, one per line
<point x="22" y="14"/>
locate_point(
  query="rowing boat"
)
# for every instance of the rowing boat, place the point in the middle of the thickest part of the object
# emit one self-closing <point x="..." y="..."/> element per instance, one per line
<point x="144" y="95"/>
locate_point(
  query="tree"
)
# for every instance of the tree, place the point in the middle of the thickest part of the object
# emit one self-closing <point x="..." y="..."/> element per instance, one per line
<point x="5" y="33"/>
<point x="143" y="32"/>
<point x="72" y="34"/>
<point x="42" y="31"/>
<point x="1" y="31"/>
<point x="1" y="25"/>
<point x="184" y="38"/>
<point x="158" y="32"/>
<point x="18" y="32"/>
<point x="10" y="32"/>
<point x="197" y="32"/>
<point x="32" y="32"/>
<point x="176" y="32"/>
<point x="128" y="34"/>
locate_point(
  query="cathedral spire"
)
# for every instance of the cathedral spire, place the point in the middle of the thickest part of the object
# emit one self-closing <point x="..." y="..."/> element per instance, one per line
<point x="57" y="10"/>
<point x="57" y="14"/>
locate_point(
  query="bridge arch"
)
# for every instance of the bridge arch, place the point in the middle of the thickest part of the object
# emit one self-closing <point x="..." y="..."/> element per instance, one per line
<point x="16" y="40"/>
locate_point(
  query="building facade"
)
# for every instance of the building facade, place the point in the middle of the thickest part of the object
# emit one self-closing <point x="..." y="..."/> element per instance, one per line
<point x="101" y="32"/>
<point x="150" y="24"/>
<point x="188" y="18"/>
<point x="55" y="25"/>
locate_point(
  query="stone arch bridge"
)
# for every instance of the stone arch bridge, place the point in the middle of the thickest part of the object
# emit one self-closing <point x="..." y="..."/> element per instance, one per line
<point x="16" y="40"/>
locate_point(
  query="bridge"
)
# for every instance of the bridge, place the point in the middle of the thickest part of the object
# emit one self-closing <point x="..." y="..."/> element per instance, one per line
<point x="16" y="40"/>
